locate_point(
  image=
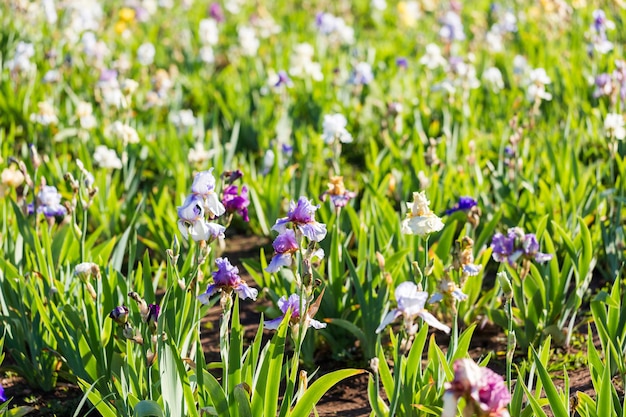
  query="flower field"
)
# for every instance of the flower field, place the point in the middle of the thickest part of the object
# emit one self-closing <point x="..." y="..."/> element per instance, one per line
<point x="417" y="178"/>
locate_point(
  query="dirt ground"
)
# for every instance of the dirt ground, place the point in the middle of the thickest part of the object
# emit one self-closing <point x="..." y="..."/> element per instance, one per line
<point x="347" y="399"/>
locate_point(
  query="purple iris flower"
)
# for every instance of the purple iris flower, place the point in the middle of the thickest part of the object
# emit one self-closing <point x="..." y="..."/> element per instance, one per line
<point x="484" y="391"/>
<point x="2" y="397"/>
<point x="107" y="75"/>
<point x="216" y="12"/>
<point x="293" y="303"/>
<point x="515" y="245"/>
<point x="49" y="202"/>
<point x="227" y="279"/>
<point x="284" y="246"/>
<point x="604" y="85"/>
<point x="402" y="62"/>
<point x="302" y="215"/>
<point x="283" y="79"/>
<point x="236" y="202"/>
<point x="464" y="204"/>
<point x="599" y="20"/>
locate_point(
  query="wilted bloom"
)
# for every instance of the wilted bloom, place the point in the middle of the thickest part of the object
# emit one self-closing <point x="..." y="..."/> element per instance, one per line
<point x="614" y="126"/>
<point x="463" y="258"/>
<point x="302" y="215"/>
<point x="334" y="126"/>
<point x="516" y="245"/>
<point x="339" y="196"/>
<point x="227" y="279"/>
<point x="411" y="303"/>
<point x="49" y="202"/>
<point x="464" y="204"/>
<point x="285" y="245"/>
<point x="293" y="303"/>
<point x="120" y="315"/>
<point x="447" y="288"/>
<point x="86" y="270"/>
<point x="420" y="220"/>
<point x="234" y="201"/>
<point x="204" y="186"/>
<point x="484" y="391"/>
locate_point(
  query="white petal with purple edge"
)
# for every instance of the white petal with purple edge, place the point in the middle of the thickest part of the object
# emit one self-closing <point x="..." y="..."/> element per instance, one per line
<point x="389" y="318"/>
<point x="433" y="322"/>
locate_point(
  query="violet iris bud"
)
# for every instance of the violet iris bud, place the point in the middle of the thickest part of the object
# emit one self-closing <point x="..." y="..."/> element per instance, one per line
<point x="120" y="315"/>
<point x="236" y="202"/>
<point x="464" y="204"/>
<point x="153" y="315"/>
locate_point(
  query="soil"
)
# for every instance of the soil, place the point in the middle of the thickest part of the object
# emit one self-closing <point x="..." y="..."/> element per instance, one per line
<point x="347" y="399"/>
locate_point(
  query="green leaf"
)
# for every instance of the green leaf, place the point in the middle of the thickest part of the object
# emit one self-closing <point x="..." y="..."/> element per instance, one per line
<point x="147" y="408"/>
<point x="378" y="405"/>
<point x="243" y="401"/>
<point x="220" y="403"/>
<point x="315" y="392"/>
<point x="555" y="400"/>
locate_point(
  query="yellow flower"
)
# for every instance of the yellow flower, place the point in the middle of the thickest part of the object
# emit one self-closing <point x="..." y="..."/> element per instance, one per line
<point x="120" y="27"/>
<point x="127" y="15"/>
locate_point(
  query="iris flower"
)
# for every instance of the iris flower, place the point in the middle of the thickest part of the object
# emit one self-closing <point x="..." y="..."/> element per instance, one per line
<point x="302" y="215"/>
<point x="411" y="303"/>
<point x="227" y="279"/>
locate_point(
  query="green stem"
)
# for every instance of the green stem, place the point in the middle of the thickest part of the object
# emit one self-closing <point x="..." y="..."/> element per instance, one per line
<point x="225" y="345"/>
<point x="424" y="279"/>
<point x="510" y="342"/>
<point x="397" y="377"/>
